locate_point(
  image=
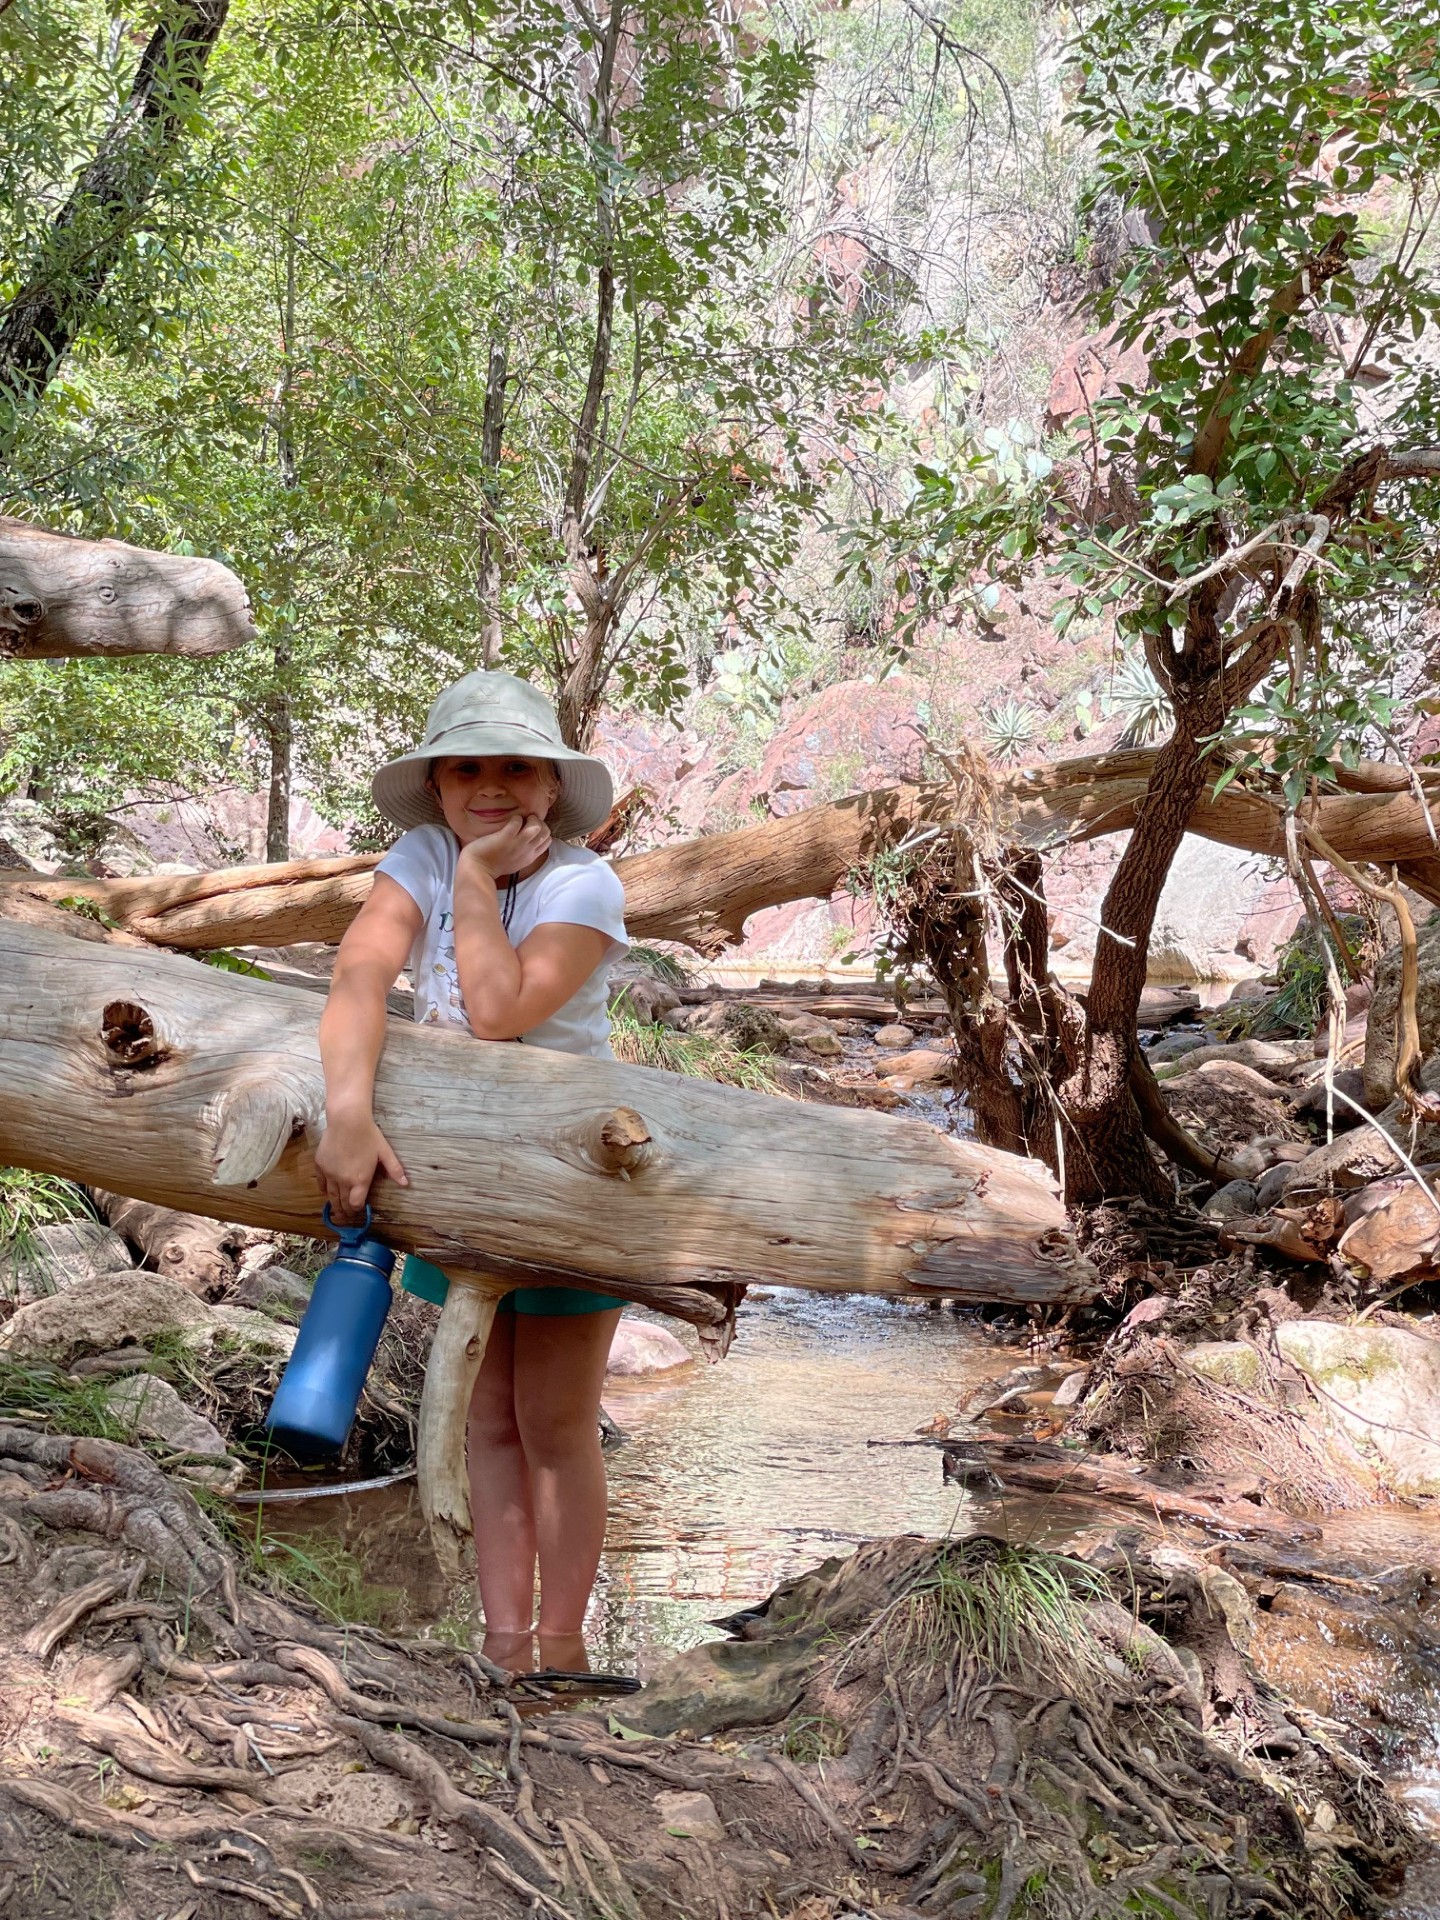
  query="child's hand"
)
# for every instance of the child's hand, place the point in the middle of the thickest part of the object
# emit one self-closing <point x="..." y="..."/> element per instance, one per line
<point x="522" y="840"/>
<point x="350" y="1154"/>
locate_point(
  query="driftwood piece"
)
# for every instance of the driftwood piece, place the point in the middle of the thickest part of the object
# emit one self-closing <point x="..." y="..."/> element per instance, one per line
<point x="1032" y="1466"/>
<point x="456" y="1355"/>
<point x="701" y="892"/>
<point x="61" y="596"/>
<point x="197" y="1252"/>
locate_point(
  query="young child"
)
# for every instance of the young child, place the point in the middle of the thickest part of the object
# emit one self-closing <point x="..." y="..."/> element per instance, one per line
<point x="507" y="930"/>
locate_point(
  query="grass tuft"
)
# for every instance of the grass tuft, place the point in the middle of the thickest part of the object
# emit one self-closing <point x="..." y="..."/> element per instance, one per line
<point x="1008" y="1609"/>
<point x="29" y="1201"/>
<point x="699" y="1056"/>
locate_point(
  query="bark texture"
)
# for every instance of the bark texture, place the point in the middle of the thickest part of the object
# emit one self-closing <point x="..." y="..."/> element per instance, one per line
<point x="61" y="596"/>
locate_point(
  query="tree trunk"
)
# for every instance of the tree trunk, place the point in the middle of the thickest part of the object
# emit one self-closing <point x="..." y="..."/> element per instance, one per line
<point x="1107" y="1151"/>
<point x="487" y="569"/>
<point x="201" y="1090"/>
<point x="701" y="892"/>
<point x="62" y="597"/>
<point x="280" y="735"/>
<point x="109" y="200"/>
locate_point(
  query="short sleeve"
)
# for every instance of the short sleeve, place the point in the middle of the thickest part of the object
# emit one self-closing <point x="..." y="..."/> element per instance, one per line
<point x="417" y="863"/>
<point x="587" y="894"/>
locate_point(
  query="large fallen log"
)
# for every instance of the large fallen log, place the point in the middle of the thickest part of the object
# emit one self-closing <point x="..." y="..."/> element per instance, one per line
<point x="701" y="892"/>
<point x="62" y="596"/>
<point x="202" y="1091"/>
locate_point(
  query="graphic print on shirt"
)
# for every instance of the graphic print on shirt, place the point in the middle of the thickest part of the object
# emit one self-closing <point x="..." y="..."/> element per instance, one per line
<point x="445" y="974"/>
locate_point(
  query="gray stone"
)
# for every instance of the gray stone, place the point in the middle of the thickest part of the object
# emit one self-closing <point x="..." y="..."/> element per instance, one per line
<point x="274" y="1290"/>
<point x="1379" y="1388"/>
<point x="1270" y="1188"/>
<point x="153" y="1409"/>
<point x="1174" y="1046"/>
<point x="1072" y="1388"/>
<point x="1310" y="1102"/>
<point x="1234" y="1198"/>
<point x="112" y="1310"/>
<point x="896" y="1037"/>
<point x="1229" y="1363"/>
<point x="55" y="1257"/>
<point x="825" y="1045"/>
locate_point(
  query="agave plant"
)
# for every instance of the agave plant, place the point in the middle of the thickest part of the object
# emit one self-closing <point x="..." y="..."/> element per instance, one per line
<point x="1136" y="697"/>
<point x="1009" y="728"/>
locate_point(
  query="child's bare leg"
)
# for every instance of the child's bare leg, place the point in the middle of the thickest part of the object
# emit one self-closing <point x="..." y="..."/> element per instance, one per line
<point x="559" y="1372"/>
<point x="500" y="1495"/>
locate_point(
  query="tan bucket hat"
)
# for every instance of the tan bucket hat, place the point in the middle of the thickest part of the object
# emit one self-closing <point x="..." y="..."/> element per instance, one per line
<point x="494" y="713"/>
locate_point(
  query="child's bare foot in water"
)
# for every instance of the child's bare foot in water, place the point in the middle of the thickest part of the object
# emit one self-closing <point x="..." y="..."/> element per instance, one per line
<point x="516" y="1651"/>
<point x="563" y="1653"/>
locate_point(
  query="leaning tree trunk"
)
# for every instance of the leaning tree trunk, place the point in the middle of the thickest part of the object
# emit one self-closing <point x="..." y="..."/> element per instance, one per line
<point x="110" y="199"/>
<point x="1107" y="1151"/>
<point x="202" y="1091"/>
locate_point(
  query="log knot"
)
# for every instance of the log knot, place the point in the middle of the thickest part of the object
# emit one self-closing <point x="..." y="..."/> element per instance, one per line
<point x="616" y="1141"/>
<point x="128" y="1036"/>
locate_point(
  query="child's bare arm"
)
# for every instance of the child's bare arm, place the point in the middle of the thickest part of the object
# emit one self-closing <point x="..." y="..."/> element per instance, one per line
<point x="508" y="990"/>
<point x="352" y="1038"/>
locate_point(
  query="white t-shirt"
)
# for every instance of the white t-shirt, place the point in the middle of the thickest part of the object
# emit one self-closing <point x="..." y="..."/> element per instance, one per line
<point x="574" y="887"/>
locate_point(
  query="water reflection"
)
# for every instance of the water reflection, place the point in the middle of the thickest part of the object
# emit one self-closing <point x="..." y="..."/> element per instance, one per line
<point x="733" y="1477"/>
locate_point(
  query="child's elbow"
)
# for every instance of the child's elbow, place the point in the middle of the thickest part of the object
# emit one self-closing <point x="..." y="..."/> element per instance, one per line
<point x="494" y="1029"/>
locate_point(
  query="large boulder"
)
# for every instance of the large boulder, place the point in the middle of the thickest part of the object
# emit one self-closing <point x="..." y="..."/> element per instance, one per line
<point x="1379" y="1388"/>
<point x="1228" y="1104"/>
<point x="56" y="1257"/>
<point x="97" y="1315"/>
<point x="1380" y="1032"/>
<point x="640" y="1347"/>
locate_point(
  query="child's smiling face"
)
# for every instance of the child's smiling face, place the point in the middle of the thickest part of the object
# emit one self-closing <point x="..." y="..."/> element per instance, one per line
<point x="480" y="796"/>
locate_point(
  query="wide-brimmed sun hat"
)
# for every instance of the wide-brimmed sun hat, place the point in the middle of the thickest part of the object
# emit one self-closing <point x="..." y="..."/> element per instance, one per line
<point x="494" y="713"/>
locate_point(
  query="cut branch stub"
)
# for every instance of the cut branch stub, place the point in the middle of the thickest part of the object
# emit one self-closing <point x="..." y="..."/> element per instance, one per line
<point x="255" y="1121"/>
<point x="616" y="1142"/>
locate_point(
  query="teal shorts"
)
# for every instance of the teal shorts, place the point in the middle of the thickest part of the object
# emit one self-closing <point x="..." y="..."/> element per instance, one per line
<point x="424" y="1279"/>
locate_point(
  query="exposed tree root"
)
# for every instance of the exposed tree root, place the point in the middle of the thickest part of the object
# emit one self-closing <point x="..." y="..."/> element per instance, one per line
<point x="976" y="1733"/>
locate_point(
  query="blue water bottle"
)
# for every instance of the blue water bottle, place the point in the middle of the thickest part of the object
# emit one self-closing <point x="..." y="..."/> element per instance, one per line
<point x="315" y="1403"/>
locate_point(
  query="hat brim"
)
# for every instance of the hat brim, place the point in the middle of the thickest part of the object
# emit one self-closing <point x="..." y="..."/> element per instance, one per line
<point x="586" y="795"/>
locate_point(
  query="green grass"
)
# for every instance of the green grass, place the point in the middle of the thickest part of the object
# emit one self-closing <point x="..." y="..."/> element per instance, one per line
<point x="1301" y="1000"/>
<point x="41" y="1394"/>
<point x="316" y="1568"/>
<point x="664" y="966"/>
<point x="1006" y="1609"/>
<point x="699" y="1056"/>
<point x="29" y="1201"/>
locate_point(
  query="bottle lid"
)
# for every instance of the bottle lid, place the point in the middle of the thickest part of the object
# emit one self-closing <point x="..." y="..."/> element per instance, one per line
<point x="358" y="1243"/>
